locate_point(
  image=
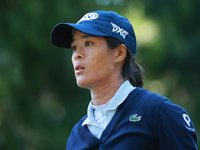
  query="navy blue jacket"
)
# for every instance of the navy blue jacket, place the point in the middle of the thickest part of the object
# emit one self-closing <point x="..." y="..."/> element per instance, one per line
<point x="144" y="121"/>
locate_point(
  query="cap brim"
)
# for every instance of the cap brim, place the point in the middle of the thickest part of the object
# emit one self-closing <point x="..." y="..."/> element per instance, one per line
<point x="61" y="34"/>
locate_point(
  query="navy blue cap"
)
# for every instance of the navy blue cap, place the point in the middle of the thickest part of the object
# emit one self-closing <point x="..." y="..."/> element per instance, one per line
<point x="99" y="23"/>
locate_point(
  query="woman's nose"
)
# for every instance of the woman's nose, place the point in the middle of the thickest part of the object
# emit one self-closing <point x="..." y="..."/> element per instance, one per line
<point x="78" y="54"/>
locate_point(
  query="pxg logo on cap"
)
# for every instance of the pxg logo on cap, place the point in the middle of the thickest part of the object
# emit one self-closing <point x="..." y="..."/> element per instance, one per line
<point x="119" y="30"/>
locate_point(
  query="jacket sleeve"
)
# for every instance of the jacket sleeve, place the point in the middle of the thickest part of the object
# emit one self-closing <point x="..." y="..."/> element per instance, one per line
<point x="174" y="128"/>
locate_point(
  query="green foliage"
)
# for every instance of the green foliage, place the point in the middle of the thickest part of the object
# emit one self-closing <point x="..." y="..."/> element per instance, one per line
<point x="39" y="99"/>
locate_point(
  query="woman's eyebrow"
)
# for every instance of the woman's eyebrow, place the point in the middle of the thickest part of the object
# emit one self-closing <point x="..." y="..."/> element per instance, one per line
<point x="82" y="37"/>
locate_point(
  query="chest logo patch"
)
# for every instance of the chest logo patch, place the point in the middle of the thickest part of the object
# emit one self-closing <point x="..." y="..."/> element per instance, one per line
<point x="134" y="118"/>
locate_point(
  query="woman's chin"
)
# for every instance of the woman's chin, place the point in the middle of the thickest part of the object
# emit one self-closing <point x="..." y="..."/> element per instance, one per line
<point x="82" y="83"/>
<point x="85" y="84"/>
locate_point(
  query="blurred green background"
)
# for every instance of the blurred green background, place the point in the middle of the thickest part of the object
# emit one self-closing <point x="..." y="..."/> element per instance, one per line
<point x="39" y="99"/>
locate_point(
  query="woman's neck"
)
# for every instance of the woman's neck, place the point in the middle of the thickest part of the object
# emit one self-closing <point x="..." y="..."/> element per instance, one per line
<point x="102" y="94"/>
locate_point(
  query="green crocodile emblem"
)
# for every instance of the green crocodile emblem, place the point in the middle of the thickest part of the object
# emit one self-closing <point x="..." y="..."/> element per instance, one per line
<point x="135" y="118"/>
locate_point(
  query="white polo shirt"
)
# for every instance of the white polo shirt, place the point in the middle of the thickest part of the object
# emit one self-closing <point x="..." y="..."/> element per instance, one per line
<point x="99" y="116"/>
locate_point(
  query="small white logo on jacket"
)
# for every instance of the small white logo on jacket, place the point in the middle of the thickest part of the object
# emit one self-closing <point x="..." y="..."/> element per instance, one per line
<point x="188" y="122"/>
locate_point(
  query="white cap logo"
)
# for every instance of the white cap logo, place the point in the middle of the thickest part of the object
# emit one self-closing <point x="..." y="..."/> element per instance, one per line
<point x="119" y="30"/>
<point x="89" y="16"/>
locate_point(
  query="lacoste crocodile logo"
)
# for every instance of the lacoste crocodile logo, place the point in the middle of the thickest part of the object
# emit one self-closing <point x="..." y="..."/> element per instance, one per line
<point x="135" y="118"/>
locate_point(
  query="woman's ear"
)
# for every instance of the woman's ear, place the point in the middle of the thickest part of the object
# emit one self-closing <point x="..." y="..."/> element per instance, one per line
<point x="121" y="52"/>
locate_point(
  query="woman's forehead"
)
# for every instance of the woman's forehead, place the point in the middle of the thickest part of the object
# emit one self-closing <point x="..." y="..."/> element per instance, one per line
<point x="81" y="35"/>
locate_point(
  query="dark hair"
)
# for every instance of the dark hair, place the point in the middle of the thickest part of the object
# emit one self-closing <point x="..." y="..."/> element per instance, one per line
<point x="131" y="70"/>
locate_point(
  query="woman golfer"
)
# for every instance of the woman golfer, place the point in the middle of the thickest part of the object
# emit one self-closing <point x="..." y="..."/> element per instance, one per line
<point x="121" y="114"/>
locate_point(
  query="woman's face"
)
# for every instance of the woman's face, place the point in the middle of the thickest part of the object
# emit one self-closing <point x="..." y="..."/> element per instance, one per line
<point x="93" y="61"/>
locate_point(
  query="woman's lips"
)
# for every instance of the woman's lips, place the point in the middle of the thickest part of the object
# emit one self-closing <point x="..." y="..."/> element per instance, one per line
<point x="79" y="69"/>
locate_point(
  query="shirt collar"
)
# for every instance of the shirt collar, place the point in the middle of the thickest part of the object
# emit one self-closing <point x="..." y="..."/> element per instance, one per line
<point x="121" y="94"/>
<point x="119" y="97"/>
<point x="90" y="115"/>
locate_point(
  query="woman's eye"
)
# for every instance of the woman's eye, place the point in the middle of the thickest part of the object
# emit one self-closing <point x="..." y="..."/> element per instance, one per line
<point x="74" y="48"/>
<point x="88" y="44"/>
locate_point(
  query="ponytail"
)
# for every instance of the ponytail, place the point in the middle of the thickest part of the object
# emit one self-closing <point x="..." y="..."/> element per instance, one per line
<point x="131" y="70"/>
